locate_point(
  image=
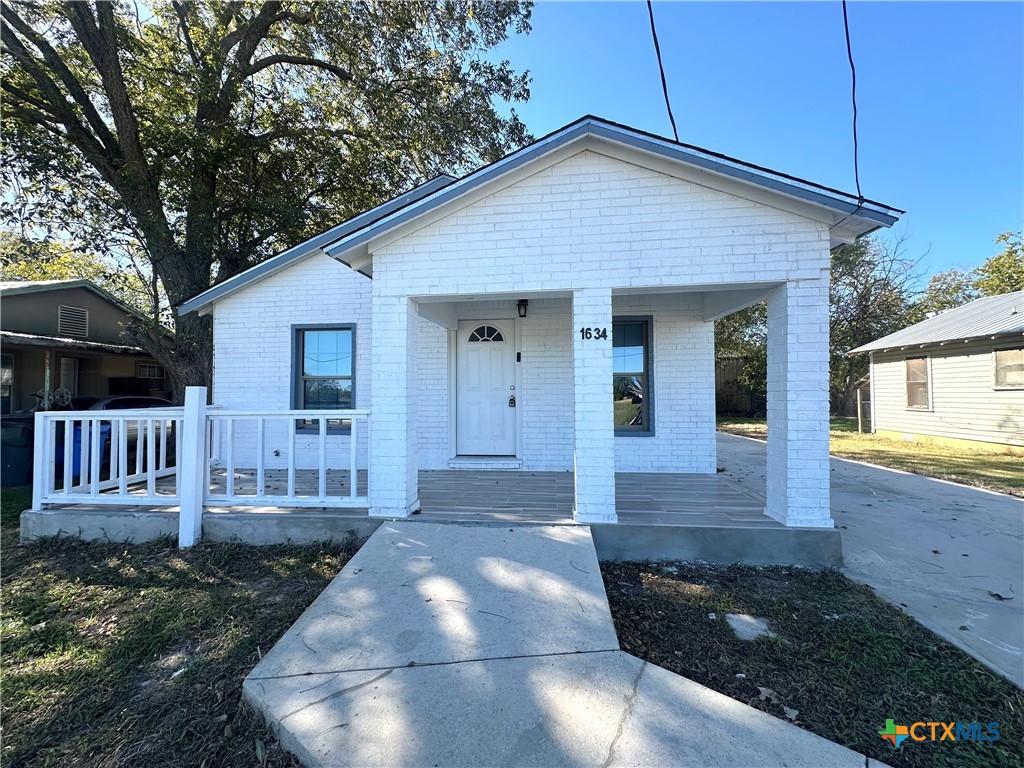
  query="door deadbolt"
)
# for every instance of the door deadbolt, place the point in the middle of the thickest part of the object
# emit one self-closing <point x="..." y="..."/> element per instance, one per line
<point x="512" y="401"/>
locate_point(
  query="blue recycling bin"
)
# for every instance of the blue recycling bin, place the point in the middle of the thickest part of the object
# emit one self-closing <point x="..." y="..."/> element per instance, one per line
<point x="76" y="448"/>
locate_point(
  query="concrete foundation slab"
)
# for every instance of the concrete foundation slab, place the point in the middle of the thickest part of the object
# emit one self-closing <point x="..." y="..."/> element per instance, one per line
<point x="99" y="524"/>
<point x="755" y="545"/>
<point x="293" y="527"/>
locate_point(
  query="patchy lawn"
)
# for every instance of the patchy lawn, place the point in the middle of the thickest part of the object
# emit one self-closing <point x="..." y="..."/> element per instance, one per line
<point x="993" y="470"/>
<point x="119" y="655"/>
<point x="843" y="660"/>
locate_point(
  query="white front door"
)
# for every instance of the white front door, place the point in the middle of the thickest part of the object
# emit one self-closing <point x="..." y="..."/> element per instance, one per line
<point x="485" y="422"/>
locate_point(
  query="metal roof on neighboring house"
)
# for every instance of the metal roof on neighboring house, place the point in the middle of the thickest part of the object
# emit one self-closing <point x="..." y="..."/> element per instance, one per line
<point x="855" y="216"/>
<point x="42" y="340"/>
<point x="991" y="316"/>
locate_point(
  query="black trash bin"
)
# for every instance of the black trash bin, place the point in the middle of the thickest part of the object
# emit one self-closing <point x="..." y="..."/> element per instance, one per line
<point x="16" y="449"/>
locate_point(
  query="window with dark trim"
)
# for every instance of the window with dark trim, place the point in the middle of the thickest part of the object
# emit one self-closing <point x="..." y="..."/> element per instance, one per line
<point x="918" y="395"/>
<point x="1009" y="368"/>
<point x="631" y="379"/>
<point x="324" y="372"/>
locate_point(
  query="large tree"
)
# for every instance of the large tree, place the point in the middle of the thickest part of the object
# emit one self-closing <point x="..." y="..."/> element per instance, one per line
<point x="209" y="135"/>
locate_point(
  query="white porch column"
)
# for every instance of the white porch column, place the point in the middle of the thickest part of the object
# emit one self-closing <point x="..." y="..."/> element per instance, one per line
<point x="393" y="468"/>
<point x="797" y="469"/>
<point x="594" y="449"/>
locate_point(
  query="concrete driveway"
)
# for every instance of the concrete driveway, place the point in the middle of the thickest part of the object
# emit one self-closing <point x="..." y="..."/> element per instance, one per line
<point x="938" y="549"/>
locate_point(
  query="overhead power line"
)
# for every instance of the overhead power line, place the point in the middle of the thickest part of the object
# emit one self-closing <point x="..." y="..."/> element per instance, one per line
<point x="853" y="74"/>
<point x="661" y="68"/>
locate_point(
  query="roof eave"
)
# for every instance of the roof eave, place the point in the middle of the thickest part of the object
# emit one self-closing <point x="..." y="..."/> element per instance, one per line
<point x="874" y="215"/>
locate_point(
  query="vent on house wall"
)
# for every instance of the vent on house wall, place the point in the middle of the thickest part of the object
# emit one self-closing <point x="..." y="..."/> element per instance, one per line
<point x="72" y="321"/>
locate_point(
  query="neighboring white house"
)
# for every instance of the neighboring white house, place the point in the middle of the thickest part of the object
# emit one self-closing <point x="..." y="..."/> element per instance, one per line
<point x="551" y="311"/>
<point x="957" y="377"/>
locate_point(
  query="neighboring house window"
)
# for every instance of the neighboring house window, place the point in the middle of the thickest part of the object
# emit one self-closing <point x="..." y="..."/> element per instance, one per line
<point x="72" y="321"/>
<point x="631" y="382"/>
<point x="6" y="383"/>
<point x="149" y="371"/>
<point x="1010" y="368"/>
<point x="918" y="395"/>
<point x="324" y="371"/>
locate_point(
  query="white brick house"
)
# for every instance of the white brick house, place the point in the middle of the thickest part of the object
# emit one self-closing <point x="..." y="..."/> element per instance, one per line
<point x="551" y="312"/>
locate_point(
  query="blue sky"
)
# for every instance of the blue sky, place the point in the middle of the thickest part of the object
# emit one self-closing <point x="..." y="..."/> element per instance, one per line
<point x="939" y="94"/>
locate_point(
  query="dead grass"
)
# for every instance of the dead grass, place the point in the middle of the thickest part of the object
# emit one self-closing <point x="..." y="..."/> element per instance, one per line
<point x="118" y="655"/>
<point x="844" y="660"/>
<point x="992" y="470"/>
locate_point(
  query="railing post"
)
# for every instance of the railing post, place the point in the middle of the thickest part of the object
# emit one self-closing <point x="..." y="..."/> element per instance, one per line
<point x="192" y="472"/>
<point x="42" y="464"/>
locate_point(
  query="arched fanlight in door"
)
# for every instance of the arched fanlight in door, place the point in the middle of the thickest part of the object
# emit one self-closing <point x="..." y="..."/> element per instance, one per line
<point x="486" y="333"/>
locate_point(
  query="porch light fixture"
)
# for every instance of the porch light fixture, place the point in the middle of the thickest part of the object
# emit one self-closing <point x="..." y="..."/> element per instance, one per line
<point x="521" y="307"/>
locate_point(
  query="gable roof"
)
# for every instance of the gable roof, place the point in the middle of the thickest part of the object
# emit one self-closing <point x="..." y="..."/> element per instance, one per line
<point x="991" y="316"/>
<point x="853" y="217"/>
<point x="19" y="287"/>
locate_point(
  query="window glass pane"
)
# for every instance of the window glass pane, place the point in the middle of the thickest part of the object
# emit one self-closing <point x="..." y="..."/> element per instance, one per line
<point x="323" y="394"/>
<point x="628" y="347"/>
<point x="1010" y="367"/>
<point x="917" y="369"/>
<point x="917" y="395"/>
<point x="628" y="393"/>
<point x="327" y="353"/>
<point x="917" y="382"/>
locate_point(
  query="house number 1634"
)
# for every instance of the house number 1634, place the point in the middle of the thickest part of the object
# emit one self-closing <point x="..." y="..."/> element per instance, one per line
<point x="593" y="333"/>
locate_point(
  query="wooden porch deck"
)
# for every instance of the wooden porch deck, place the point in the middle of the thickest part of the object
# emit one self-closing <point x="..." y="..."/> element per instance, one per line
<point x="535" y="497"/>
<point x="640" y="498"/>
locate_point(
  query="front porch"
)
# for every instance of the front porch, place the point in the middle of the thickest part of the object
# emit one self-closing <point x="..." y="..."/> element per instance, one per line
<point x="710" y="518"/>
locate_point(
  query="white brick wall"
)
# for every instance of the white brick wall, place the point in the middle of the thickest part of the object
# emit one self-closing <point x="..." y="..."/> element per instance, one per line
<point x="588" y="223"/>
<point x="253" y="332"/>
<point x="594" y="464"/>
<point x="593" y="221"/>
<point x="683" y="388"/>
<point x="797" y="467"/>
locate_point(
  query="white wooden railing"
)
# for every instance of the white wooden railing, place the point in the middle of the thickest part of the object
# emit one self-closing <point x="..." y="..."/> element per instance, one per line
<point x="239" y="443"/>
<point x="107" y="457"/>
<point x="199" y="456"/>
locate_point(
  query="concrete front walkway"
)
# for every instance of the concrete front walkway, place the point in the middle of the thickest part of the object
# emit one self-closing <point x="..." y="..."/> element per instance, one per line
<point x="469" y="645"/>
<point x="935" y="548"/>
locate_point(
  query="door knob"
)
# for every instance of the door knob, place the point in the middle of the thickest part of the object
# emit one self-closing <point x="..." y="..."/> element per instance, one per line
<point x="512" y="401"/>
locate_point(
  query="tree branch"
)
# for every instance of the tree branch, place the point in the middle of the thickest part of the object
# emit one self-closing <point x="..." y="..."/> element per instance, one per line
<point x="179" y="9"/>
<point x="56" y="65"/>
<point x="282" y="58"/>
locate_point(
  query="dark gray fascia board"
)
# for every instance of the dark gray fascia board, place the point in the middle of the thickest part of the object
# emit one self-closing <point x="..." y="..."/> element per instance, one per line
<point x="807" y="191"/>
<point x="286" y="257"/>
